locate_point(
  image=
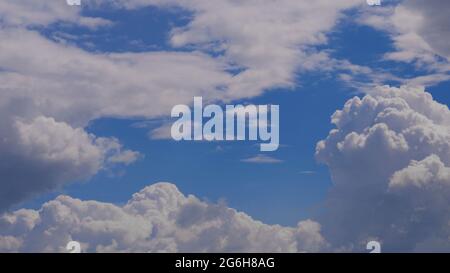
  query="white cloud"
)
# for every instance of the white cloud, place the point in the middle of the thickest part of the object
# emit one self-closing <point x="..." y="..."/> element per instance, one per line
<point x="126" y="157"/>
<point x="41" y="155"/>
<point x="271" y="40"/>
<point x="420" y="31"/>
<point x="427" y="174"/>
<point x="77" y="86"/>
<point x="389" y="158"/>
<point x="262" y="159"/>
<point x="269" y="43"/>
<point x="158" y="219"/>
<point x="162" y="132"/>
<point x="24" y="13"/>
<point x="52" y="141"/>
<point x="435" y="23"/>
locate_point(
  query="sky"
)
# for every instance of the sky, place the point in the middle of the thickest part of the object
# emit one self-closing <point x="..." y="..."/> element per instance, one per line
<point x="85" y="100"/>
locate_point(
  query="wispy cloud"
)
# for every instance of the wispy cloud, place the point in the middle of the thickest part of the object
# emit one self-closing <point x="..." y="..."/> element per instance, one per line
<point x="308" y="172"/>
<point x="262" y="159"/>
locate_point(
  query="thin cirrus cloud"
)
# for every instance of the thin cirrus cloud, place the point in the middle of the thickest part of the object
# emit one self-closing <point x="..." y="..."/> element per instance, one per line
<point x="262" y="159"/>
<point x="308" y="172"/>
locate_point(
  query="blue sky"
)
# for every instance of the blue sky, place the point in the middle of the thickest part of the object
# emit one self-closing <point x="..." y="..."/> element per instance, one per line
<point x="87" y="92"/>
<point x="280" y="193"/>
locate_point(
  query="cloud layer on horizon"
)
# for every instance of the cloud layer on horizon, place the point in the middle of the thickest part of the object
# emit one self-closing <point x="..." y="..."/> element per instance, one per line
<point x="157" y="219"/>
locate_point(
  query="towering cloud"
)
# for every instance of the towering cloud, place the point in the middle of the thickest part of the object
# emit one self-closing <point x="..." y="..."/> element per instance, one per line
<point x="389" y="158"/>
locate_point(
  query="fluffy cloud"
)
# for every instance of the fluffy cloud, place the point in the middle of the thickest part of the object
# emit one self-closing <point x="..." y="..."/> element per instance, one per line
<point x="41" y="155"/>
<point x="266" y="42"/>
<point x="430" y="173"/>
<point x="432" y="23"/>
<point x="29" y="12"/>
<point x="270" y="39"/>
<point x="159" y="219"/>
<point x="389" y="158"/>
<point x="419" y="30"/>
<point x="76" y="86"/>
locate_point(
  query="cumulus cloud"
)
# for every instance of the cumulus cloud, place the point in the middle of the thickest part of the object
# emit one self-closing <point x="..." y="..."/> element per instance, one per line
<point x="389" y="157"/>
<point x="158" y="219"/>
<point x="41" y="155"/>
<point x="427" y="173"/>
<point x="420" y="31"/>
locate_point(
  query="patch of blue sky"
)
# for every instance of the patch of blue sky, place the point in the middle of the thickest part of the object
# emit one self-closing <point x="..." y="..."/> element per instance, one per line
<point x="138" y="30"/>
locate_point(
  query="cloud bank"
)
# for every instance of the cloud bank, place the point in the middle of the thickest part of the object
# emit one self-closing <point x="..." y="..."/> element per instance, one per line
<point x="157" y="219"/>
